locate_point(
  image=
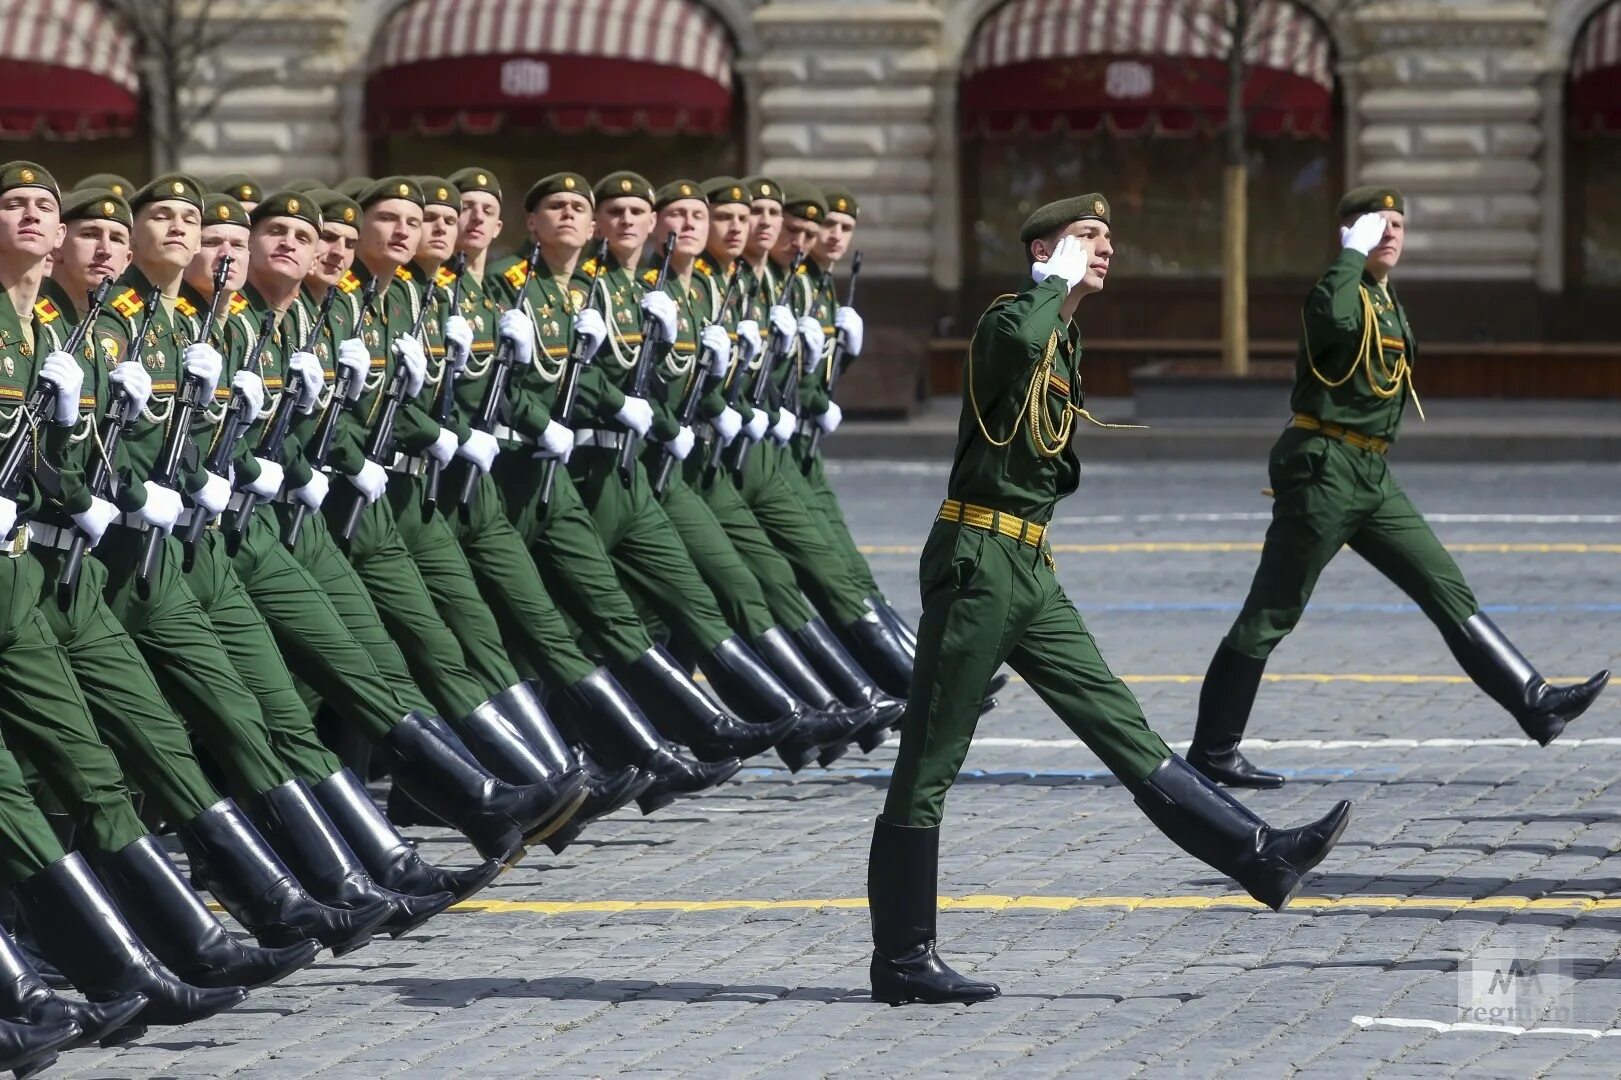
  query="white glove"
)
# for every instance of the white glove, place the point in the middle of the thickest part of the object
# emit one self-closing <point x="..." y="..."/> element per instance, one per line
<point x="727" y="425"/>
<point x="311" y="379"/>
<point x="203" y="362"/>
<point x="67" y="379"/>
<point x="480" y="448"/>
<point x="851" y="329"/>
<point x="748" y="340"/>
<point x="661" y="309"/>
<point x="717" y="347"/>
<point x="556" y="441"/>
<point x="829" y="421"/>
<point x="408" y="351"/>
<point x="783" y="324"/>
<point x="590" y="328"/>
<point x="92" y="522"/>
<point x="214" y="495"/>
<point x="636" y="414"/>
<point x="252" y="389"/>
<point x="313" y="494"/>
<point x="783" y="429"/>
<point x="812" y="334"/>
<point x="518" y="330"/>
<point x="354" y="358"/>
<point x="681" y="445"/>
<point x="458" y="341"/>
<point x="371" y="481"/>
<point x="1068" y="261"/>
<point x="444" y="447"/>
<point x="132" y="378"/>
<point x="8" y="518"/>
<point x="1364" y="234"/>
<point x="269" y="480"/>
<point x="162" y="507"/>
<point x="755" y="428"/>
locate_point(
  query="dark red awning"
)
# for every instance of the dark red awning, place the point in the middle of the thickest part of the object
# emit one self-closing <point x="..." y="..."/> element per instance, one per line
<point x="1595" y="75"/>
<point x="67" y="69"/>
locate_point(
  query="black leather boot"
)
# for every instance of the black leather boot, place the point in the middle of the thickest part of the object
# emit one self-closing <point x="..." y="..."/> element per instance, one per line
<point x="610" y="787"/>
<point x="231" y="860"/>
<point x="175" y="923"/>
<point x="23" y="938"/>
<point x="497" y="817"/>
<point x="684" y="714"/>
<point x="880" y="653"/>
<point x="81" y="929"/>
<point x="1225" y="701"/>
<point x="745" y="684"/>
<point x="897" y="625"/>
<point x="1508" y="678"/>
<point x="28" y="1048"/>
<point x="778" y="651"/>
<point x="24" y="997"/>
<point x="392" y="860"/>
<point x="313" y="848"/>
<point x="901" y="875"/>
<point x="844" y="676"/>
<point x="1217" y="829"/>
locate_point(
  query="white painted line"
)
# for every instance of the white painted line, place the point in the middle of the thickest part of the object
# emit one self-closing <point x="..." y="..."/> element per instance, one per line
<point x="1000" y="742"/>
<point x="1495" y="1029"/>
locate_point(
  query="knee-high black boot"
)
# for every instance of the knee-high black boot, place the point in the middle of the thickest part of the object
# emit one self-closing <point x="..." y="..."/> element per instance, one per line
<point x="880" y="652"/>
<point x="1508" y="678"/>
<point x="1225" y="700"/>
<point x="24" y="997"/>
<point x="901" y="875"/>
<point x="845" y="723"/>
<point x="684" y="714"/>
<point x="739" y="675"/>
<point x="845" y="677"/>
<point x="27" y="1048"/>
<point x="1217" y="829"/>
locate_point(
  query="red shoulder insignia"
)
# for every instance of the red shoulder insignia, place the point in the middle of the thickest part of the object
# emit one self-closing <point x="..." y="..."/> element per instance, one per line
<point x="515" y="274"/>
<point x="349" y="283"/>
<point x="128" y="303"/>
<point x="46" y="311"/>
<point x="239" y="303"/>
<point x="185" y="307"/>
<point x="444" y="278"/>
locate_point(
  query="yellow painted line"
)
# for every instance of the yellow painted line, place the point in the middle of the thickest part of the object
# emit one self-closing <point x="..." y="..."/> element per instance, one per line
<point x="1162" y="547"/>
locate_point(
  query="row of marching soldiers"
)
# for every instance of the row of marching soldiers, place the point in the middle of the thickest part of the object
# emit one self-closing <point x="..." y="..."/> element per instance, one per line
<point x="305" y="486"/>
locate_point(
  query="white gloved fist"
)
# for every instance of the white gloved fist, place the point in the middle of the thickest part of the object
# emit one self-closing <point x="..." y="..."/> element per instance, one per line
<point x="783" y="325"/>
<point x="813" y="337"/>
<point x="518" y="330"/>
<point x="590" y="330"/>
<point x="94" y="521"/>
<point x="1068" y="261"/>
<point x="8" y="518"/>
<point x="556" y="441"/>
<point x="408" y="351"/>
<point x="852" y="329"/>
<point x="355" y="360"/>
<point x="749" y="341"/>
<point x="132" y="379"/>
<point x="1364" y="234"/>
<point x="203" y="362"/>
<point x="783" y="429"/>
<point x="458" y="341"/>
<point x="162" y="507"/>
<point x="727" y="425"/>
<point x="214" y="495"/>
<point x="717" y="348"/>
<point x="659" y="307"/>
<point x="269" y="480"/>
<point x="444" y="447"/>
<point x="754" y="430"/>
<point x="313" y="494"/>
<point x="371" y="481"/>
<point x="67" y="379"/>
<point x="829" y="421"/>
<point x="311" y="379"/>
<point x="252" y="391"/>
<point x="635" y="414"/>
<point x="480" y="448"/>
<point x="680" y="446"/>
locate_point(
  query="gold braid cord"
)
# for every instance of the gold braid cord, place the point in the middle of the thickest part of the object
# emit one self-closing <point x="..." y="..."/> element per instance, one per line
<point x="1387" y="381"/>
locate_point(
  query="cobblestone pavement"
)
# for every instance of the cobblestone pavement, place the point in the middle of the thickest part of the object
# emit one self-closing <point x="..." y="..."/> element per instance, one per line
<point x="1118" y="955"/>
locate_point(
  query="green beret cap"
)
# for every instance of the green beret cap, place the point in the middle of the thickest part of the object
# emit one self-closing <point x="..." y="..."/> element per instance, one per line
<point x="622" y="184"/>
<point x="721" y="190"/>
<point x="240" y="186"/>
<point x="571" y="182"/>
<point x="96" y="204"/>
<point x="802" y="200"/>
<point x="840" y="200"/>
<point x="17" y="174"/>
<point x="336" y="207"/>
<point x="676" y="190"/>
<point x="175" y="186"/>
<point x="303" y="183"/>
<point x="475" y="178"/>
<point x="437" y="191"/>
<point x="1368" y="200"/>
<point x="106" y="181"/>
<point x="1056" y="215"/>
<point x="222" y="209"/>
<point x="294" y="204"/>
<point x="390" y="187"/>
<point x="763" y="187"/>
<point x="353" y="186"/>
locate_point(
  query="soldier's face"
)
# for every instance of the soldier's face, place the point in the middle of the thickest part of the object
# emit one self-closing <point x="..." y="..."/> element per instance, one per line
<point x="1383" y="258"/>
<point x="334" y="252"/>
<point x="835" y="239"/>
<point x="562" y="219"/>
<point x="218" y="242"/>
<point x="625" y="223"/>
<point x="390" y="232"/>
<point x="284" y="246"/>
<point x="1096" y="238"/>
<point x="168" y="233"/>
<point x="765" y="225"/>
<point x="480" y="222"/>
<point x="728" y="230"/>
<point x="798" y="238"/>
<point x="91" y="252"/>
<point x="438" y="241"/>
<point x="688" y="221"/>
<point x="30" y="222"/>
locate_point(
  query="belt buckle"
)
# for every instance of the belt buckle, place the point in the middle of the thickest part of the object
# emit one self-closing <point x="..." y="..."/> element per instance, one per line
<point x="17" y="546"/>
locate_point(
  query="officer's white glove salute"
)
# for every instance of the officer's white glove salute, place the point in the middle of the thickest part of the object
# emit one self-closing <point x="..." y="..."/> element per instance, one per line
<point x="203" y="362"/>
<point x="444" y="447"/>
<point x="133" y="380"/>
<point x="829" y="421"/>
<point x="717" y="350"/>
<point x="214" y="495"/>
<point x="1068" y="261"/>
<point x="727" y="425"/>
<point x="480" y="448"/>
<point x="636" y="414"/>
<point x="252" y="389"/>
<point x="92" y="522"/>
<point x="749" y="342"/>
<point x="812" y="335"/>
<point x="660" y="308"/>
<point x="518" y="331"/>
<point x="1363" y="234"/>
<point x="556" y="441"/>
<point x="754" y="430"/>
<point x="269" y="480"/>
<point x="680" y="446"/>
<point x="783" y="429"/>
<point x="371" y="481"/>
<point x="458" y="342"/>
<point x="354" y="359"/>
<point x="408" y="351"/>
<point x="590" y="330"/>
<point x="783" y="325"/>
<point x="313" y="494"/>
<point x="311" y="379"/>
<point x="66" y="378"/>
<point x="162" y="508"/>
<point x="851" y="329"/>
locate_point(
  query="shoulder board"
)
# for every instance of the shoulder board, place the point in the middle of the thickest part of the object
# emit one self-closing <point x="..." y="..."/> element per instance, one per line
<point x="403" y="274"/>
<point x="127" y="303"/>
<point x="515" y="274"/>
<point x="444" y="277"/>
<point x="184" y="306"/>
<point x="701" y="265"/>
<point x="590" y="269"/>
<point x="46" y="311"/>
<point x="239" y="303"/>
<point x="650" y="276"/>
<point x="349" y="283"/>
<point x="803" y="269"/>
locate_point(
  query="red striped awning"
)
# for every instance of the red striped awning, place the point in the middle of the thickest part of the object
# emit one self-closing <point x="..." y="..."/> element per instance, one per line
<point x="1143" y="65"/>
<point x="67" y="69"/>
<point x="608" y="65"/>
<point x="1595" y="74"/>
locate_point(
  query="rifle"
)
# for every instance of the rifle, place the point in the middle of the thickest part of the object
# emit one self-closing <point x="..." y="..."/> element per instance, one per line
<point x="327" y="427"/>
<point x="643" y="371"/>
<point x="187" y="403"/>
<point x="495" y="392"/>
<point x="232" y="428"/>
<point x="762" y="378"/>
<point x="119" y="416"/>
<point x="569" y="392"/>
<point x="445" y="401"/>
<point x="733" y="393"/>
<point x="834" y="368"/>
<point x="687" y="411"/>
<point x="275" y="433"/>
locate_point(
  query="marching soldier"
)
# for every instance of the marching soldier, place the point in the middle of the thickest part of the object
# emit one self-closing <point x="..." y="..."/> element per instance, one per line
<point x="94" y="248"/>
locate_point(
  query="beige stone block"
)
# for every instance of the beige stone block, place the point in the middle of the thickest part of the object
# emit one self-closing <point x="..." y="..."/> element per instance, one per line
<point x="775" y="68"/>
<point x="1514" y="210"/>
<point x="1386" y="140"/>
<point x="849" y="68"/>
<point x="1460" y="176"/>
<point x="1462" y="103"/>
<point x="1472" y="247"/>
<point x="914" y="103"/>
<point x="792" y="140"/>
<point x="876" y="176"/>
<point x="1448" y="69"/>
<point x="1515" y="140"/>
<point x="1440" y="211"/>
<point x="910" y="140"/>
<point x="850" y="140"/>
<point x="896" y="211"/>
<point x="1520" y="66"/>
<point x="1463" y="140"/>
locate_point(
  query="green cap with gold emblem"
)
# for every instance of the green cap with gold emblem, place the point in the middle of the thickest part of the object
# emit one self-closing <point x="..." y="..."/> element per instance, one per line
<point x="391" y="187"/>
<point x="336" y="207"/>
<point x="353" y="186"/>
<point x="20" y="174"/>
<point x="222" y="209"/>
<point x="303" y="183"/>
<point x="437" y="191"/>
<point x="841" y="200"/>
<point x="677" y="190"/>
<point x="721" y="190"/>
<point x="1056" y="215"/>
<point x="1369" y="200"/>
<point x="293" y="204"/>
<point x="240" y="186"/>
<point x="175" y="186"/>
<point x="571" y="182"/>
<point x="475" y="178"/>
<point x="763" y="187"/>
<point x="107" y="181"/>
<point x="803" y="200"/>
<point x="95" y="204"/>
<point x="621" y="185"/>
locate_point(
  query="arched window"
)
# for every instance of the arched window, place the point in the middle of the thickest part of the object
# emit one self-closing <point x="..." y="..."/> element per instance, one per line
<point x="1594" y="197"/>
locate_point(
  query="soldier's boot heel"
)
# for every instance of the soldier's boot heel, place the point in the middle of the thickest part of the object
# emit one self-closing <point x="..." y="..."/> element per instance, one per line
<point x="23" y="996"/>
<point x="392" y="860"/>
<point x="843" y="675"/>
<point x="1212" y="826"/>
<point x="27" y="1048"/>
<point x="686" y="715"/>
<point x="901" y="874"/>
<point x="1509" y="679"/>
<point x="1225" y="701"/>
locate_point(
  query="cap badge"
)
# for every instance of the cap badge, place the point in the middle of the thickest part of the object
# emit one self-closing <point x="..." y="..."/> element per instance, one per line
<point x="348" y="213"/>
<point x="624" y="185"/>
<point x="292" y="206"/>
<point x="481" y="179"/>
<point x="841" y="205"/>
<point x="1390" y="202"/>
<point x="1098" y="207"/>
<point x="686" y="189"/>
<point x="247" y="191"/>
<point x="118" y="189"/>
<point x="224" y="212"/>
<point x="737" y="193"/>
<point x="443" y="194"/>
<point x="765" y="189"/>
<point x="405" y="191"/>
<point x="810" y="211"/>
<point x="26" y="176"/>
<point x="179" y="188"/>
<point x="108" y="209"/>
<point x="568" y="182"/>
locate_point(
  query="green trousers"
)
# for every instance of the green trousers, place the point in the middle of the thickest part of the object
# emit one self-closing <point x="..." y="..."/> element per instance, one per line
<point x="989" y="599"/>
<point x="713" y="551"/>
<point x="813" y="486"/>
<point x="765" y="561"/>
<point x="1327" y="495"/>
<point x="27" y="844"/>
